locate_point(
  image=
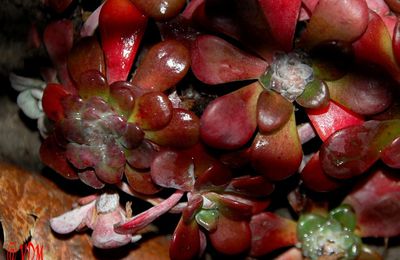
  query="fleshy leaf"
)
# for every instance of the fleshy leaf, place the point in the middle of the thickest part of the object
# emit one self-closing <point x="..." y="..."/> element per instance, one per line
<point x="122" y="98"/>
<point x="376" y="203"/>
<point x="270" y="232"/>
<point x="182" y="131"/>
<point x="363" y="92"/>
<point x="54" y="156"/>
<point x="315" y="178"/>
<point x="173" y="169"/>
<point x="122" y="27"/>
<point x="252" y="186"/>
<point x="273" y="111"/>
<point x="163" y="66"/>
<point x="140" y="181"/>
<point x="315" y="95"/>
<point x="208" y="219"/>
<point x="353" y="150"/>
<point x="185" y="243"/>
<point x="282" y="17"/>
<point x="375" y="46"/>
<point x="391" y="154"/>
<point x="336" y="21"/>
<point x="85" y="55"/>
<point x="58" y="39"/>
<point x="332" y="118"/>
<point x="152" y="111"/>
<point x="160" y="9"/>
<point x="229" y="121"/>
<point x="277" y="155"/>
<point x="52" y="101"/>
<point x="231" y="237"/>
<point x="216" y="61"/>
<point x="141" y="156"/>
<point x="92" y="83"/>
<point x="89" y="178"/>
<point x="110" y="169"/>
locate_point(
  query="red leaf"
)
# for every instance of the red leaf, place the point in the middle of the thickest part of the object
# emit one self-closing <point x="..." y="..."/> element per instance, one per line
<point x="216" y="61"/>
<point x="332" y="118"/>
<point x="270" y="232"/>
<point x="185" y="242"/>
<point x="376" y="202"/>
<point x="121" y="28"/>
<point x="51" y="101"/>
<point x="282" y="18"/>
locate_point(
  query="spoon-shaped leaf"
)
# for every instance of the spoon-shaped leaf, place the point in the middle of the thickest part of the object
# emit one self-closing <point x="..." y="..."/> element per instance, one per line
<point x="182" y="131"/>
<point x="229" y="121"/>
<point x="282" y="18"/>
<point x="351" y="151"/>
<point x="332" y="118"/>
<point x="315" y="95"/>
<point x="376" y="202"/>
<point x="163" y="66"/>
<point x="391" y="154"/>
<point x="122" y="98"/>
<point x="277" y="155"/>
<point x="173" y="169"/>
<point x="270" y="232"/>
<point x="92" y="83"/>
<point x="152" y="111"/>
<point x="215" y="61"/>
<point x="273" y="111"/>
<point x="335" y="20"/>
<point x="132" y="137"/>
<point x="160" y="9"/>
<point x="315" y="179"/>
<point x="363" y="92"/>
<point x="52" y="98"/>
<point x="185" y="243"/>
<point x="394" y="5"/>
<point x="53" y="156"/>
<point x="85" y="55"/>
<point x="231" y="237"/>
<point x="375" y="46"/>
<point x="140" y="181"/>
<point x="58" y="38"/>
<point x="122" y="27"/>
<point x="251" y="186"/>
<point x="141" y="156"/>
<point x="111" y="167"/>
<point x="89" y="178"/>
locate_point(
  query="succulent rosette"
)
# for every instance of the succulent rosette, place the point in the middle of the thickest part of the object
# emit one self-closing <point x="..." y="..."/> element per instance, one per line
<point x="220" y="106"/>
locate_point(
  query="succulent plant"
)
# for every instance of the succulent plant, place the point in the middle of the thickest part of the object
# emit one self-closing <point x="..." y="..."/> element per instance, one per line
<point x="211" y="118"/>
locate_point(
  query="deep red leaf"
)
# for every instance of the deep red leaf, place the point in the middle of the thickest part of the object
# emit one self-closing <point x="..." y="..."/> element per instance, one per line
<point x="52" y="101"/>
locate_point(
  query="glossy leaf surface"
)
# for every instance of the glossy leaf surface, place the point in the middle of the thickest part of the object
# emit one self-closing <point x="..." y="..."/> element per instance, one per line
<point x="391" y="154"/>
<point x="122" y="27"/>
<point x="182" y="131"/>
<point x="277" y="155"/>
<point x="152" y="111"/>
<point x="336" y="21"/>
<point x="229" y="121"/>
<point x="332" y="118"/>
<point x="92" y="83"/>
<point x="375" y="46"/>
<point x="85" y="55"/>
<point x="185" y="243"/>
<point x="140" y="181"/>
<point x="351" y="151"/>
<point x="163" y="66"/>
<point x="363" y="92"/>
<point x="282" y="18"/>
<point x="376" y="203"/>
<point x="231" y="237"/>
<point x="270" y="232"/>
<point x="316" y="95"/>
<point x="160" y="9"/>
<point x="141" y="156"/>
<point x="122" y="97"/>
<point x="216" y="61"/>
<point x="53" y="95"/>
<point x="315" y="178"/>
<point x="273" y="111"/>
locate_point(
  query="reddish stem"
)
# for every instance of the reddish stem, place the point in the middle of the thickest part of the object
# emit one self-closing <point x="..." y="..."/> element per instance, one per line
<point x="138" y="222"/>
